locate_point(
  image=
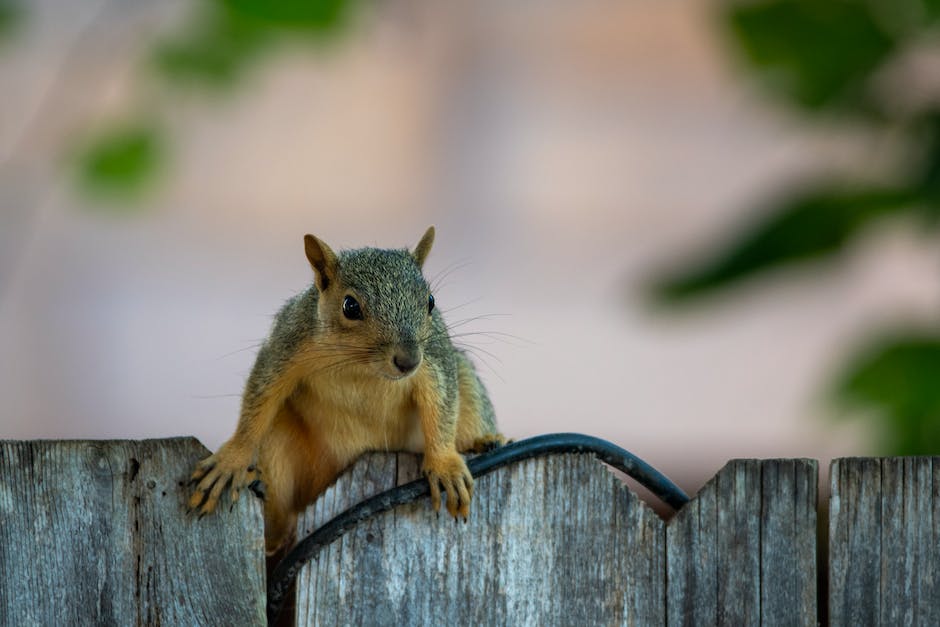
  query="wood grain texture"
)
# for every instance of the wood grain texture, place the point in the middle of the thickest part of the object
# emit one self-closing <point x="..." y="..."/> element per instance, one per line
<point x="95" y="533"/>
<point x="551" y="541"/>
<point x="743" y="551"/>
<point x="789" y="545"/>
<point x="884" y="541"/>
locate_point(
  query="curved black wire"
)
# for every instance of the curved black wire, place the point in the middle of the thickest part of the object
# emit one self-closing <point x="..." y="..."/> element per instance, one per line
<point x="286" y="571"/>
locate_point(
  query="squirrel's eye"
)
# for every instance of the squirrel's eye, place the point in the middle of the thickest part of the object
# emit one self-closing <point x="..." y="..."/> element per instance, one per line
<point x="351" y="308"/>
<point x="430" y="303"/>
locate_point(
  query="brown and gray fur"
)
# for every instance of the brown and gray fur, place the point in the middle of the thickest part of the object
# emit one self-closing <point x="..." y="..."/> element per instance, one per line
<point x="325" y="389"/>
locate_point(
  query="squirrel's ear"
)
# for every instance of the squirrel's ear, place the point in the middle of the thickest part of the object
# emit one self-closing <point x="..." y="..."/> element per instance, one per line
<point x="323" y="260"/>
<point x="421" y="251"/>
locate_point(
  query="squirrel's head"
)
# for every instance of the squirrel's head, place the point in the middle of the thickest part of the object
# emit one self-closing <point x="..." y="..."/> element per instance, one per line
<point x="375" y="305"/>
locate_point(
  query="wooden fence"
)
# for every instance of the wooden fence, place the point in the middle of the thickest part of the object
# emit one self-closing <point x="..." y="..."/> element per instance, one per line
<point x="95" y="532"/>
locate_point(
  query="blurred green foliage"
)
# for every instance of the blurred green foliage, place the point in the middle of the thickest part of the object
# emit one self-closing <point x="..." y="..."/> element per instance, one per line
<point x="214" y="54"/>
<point x="896" y="378"/>
<point x="816" y="52"/>
<point x="9" y="15"/>
<point x="302" y="16"/>
<point x="809" y="227"/>
<point x="226" y="36"/>
<point x="222" y="39"/>
<point x="122" y="163"/>
<point x="824" y="57"/>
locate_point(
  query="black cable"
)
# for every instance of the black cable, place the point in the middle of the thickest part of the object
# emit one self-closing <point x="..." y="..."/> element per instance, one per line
<point x="286" y="571"/>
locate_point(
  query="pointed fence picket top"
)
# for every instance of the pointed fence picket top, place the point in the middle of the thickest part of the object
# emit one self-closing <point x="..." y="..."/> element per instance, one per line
<point x="95" y="533"/>
<point x="743" y="551"/>
<point x="884" y="541"/>
<point x="560" y="540"/>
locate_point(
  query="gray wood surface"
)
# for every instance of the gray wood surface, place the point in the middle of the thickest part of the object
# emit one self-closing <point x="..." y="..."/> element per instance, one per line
<point x="743" y="551"/>
<point x="95" y="533"/>
<point x="560" y="541"/>
<point x="789" y="545"/>
<point x="884" y="541"/>
<point x="552" y="541"/>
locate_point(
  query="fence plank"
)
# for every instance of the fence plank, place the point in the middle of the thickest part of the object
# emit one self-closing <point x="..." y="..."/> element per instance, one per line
<point x="884" y="538"/>
<point x="557" y="540"/>
<point x="95" y="532"/>
<point x="743" y="551"/>
<point x="789" y="543"/>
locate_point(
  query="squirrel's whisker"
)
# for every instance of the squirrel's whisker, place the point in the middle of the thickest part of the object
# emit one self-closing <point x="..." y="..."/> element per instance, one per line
<point x="499" y="336"/>
<point x="241" y="350"/>
<point x="437" y="279"/>
<point x="462" y="305"/>
<point x="477" y="349"/>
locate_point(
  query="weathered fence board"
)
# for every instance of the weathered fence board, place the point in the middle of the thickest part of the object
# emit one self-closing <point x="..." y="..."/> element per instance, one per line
<point x="561" y="541"/>
<point x="884" y="541"/>
<point x="95" y="533"/>
<point x="789" y="545"/>
<point x="743" y="551"/>
<point x="552" y="541"/>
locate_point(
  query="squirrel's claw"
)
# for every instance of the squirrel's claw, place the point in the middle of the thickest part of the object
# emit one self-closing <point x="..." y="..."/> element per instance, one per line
<point x="435" y="493"/>
<point x="213" y="476"/>
<point x="245" y="479"/>
<point x="450" y="475"/>
<point x="207" y="494"/>
<point x="202" y="469"/>
<point x="458" y="497"/>
<point x="259" y="489"/>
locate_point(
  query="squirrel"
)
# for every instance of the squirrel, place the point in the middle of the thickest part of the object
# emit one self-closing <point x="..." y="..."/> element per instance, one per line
<point x="360" y="361"/>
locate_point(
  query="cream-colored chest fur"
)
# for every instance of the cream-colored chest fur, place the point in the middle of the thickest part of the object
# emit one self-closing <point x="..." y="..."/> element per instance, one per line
<point x="358" y="413"/>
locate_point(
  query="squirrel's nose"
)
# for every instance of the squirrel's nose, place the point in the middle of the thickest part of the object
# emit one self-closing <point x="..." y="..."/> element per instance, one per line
<point x="406" y="362"/>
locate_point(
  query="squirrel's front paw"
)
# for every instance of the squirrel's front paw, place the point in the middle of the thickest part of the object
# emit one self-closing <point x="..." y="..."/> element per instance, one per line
<point x="489" y="442"/>
<point x="449" y="471"/>
<point x="217" y="472"/>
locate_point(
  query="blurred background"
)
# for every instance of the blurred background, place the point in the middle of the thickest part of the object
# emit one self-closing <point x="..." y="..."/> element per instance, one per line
<point x="700" y="229"/>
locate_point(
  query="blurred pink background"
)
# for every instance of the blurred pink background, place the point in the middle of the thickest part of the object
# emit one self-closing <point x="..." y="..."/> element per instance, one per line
<point x="566" y="153"/>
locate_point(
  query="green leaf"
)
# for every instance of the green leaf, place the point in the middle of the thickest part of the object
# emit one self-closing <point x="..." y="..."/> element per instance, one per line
<point x="214" y="54"/>
<point x="818" y="53"/>
<point x="808" y="227"/>
<point x="231" y="34"/>
<point x="898" y="380"/>
<point x="315" y="16"/>
<point x="929" y="178"/>
<point x="931" y="10"/>
<point x="9" y="15"/>
<point x="122" y="163"/>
